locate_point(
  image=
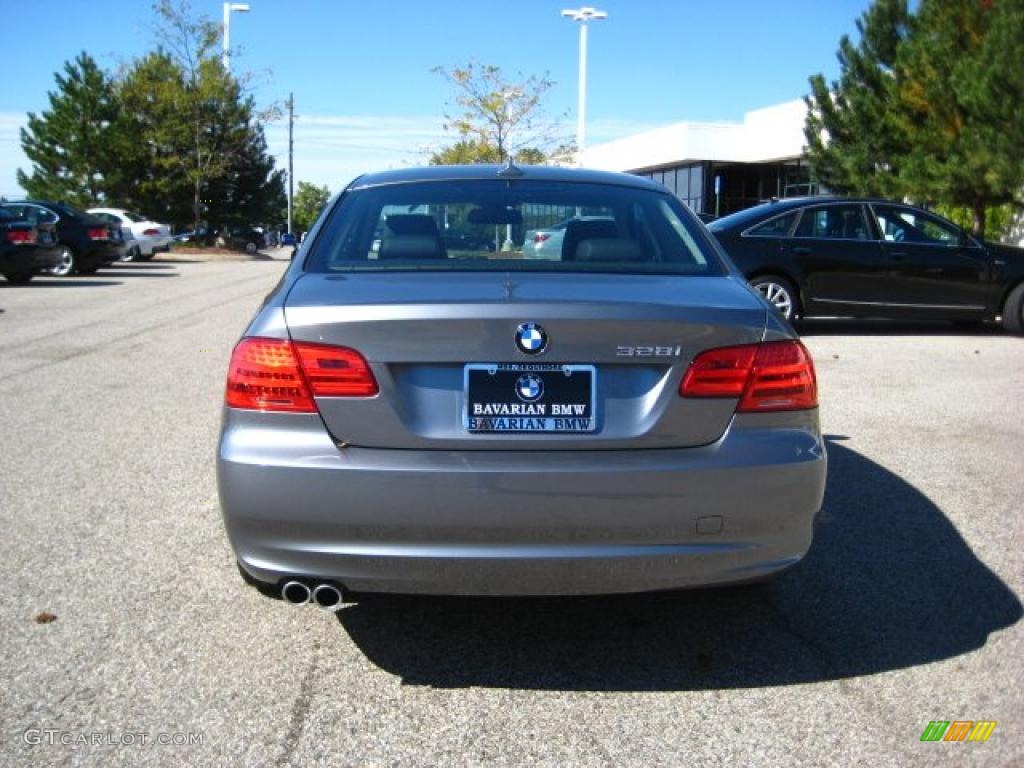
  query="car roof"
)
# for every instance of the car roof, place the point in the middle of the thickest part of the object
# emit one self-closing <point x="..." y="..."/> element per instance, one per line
<point x="766" y="210"/>
<point x="491" y="172"/>
<point x="61" y="208"/>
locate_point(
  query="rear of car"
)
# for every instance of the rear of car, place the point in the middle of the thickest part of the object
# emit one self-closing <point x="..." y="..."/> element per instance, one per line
<point x="143" y="237"/>
<point x="626" y="416"/>
<point x="26" y="249"/>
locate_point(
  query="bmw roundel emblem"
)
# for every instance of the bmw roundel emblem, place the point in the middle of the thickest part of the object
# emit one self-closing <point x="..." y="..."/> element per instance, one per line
<point x="530" y="387"/>
<point x="531" y="338"/>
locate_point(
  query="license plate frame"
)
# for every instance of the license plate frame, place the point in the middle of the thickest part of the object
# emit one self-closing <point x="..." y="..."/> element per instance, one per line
<point x="557" y="410"/>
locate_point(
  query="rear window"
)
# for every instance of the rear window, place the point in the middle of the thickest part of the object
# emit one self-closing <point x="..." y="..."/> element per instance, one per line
<point x="498" y="225"/>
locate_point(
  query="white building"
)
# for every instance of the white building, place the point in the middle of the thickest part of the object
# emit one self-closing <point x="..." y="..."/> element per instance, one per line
<point x="718" y="167"/>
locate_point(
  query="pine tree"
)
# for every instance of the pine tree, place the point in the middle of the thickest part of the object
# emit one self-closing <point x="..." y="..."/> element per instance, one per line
<point x="928" y="106"/>
<point x="71" y="145"/>
<point x="961" y="76"/>
<point x="152" y="175"/>
<point x="856" y="142"/>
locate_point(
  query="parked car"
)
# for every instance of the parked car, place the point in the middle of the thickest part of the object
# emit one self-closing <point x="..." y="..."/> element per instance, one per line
<point x="84" y="242"/>
<point x="629" y="416"/>
<point x="26" y="249"/>
<point x="287" y="239"/>
<point x="143" y="236"/>
<point x="872" y="258"/>
<point x="546" y="243"/>
<point x="248" y="239"/>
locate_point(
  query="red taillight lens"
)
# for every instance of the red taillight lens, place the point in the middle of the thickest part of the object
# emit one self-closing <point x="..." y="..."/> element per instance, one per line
<point x="719" y="372"/>
<point x="21" y="236"/>
<point x="774" y="376"/>
<point x="540" y="237"/>
<point x="151" y="232"/>
<point x="335" y="371"/>
<point x="279" y="375"/>
<point x="264" y="375"/>
<point x="97" y="233"/>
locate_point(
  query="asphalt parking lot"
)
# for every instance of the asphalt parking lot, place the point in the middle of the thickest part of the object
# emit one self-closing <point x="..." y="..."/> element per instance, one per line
<point x="907" y="610"/>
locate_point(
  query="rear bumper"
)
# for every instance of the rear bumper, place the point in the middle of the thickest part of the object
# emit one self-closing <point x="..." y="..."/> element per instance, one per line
<point x="102" y="254"/>
<point x="32" y="258"/>
<point x="151" y="245"/>
<point x="522" y="523"/>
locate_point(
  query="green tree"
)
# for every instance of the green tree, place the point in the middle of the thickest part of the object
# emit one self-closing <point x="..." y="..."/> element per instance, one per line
<point x="855" y="138"/>
<point x="152" y="175"/>
<point x="961" y="76"/>
<point x="499" y="118"/>
<point x="71" y="145"/>
<point x="214" y="138"/>
<point x="309" y="200"/>
<point x="929" y="105"/>
<point x="197" y="149"/>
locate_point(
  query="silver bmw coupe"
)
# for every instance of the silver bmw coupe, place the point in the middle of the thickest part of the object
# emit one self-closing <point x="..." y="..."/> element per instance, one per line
<point x="417" y="408"/>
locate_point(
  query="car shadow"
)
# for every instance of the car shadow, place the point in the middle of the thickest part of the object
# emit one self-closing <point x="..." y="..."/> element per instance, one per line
<point x="875" y="327"/>
<point x="889" y="583"/>
<point x="64" y="282"/>
<point x="133" y="271"/>
<point x="143" y="265"/>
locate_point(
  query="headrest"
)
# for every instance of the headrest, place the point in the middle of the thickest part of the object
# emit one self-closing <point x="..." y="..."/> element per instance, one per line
<point x="411" y="224"/>
<point x="609" y="249"/>
<point x="411" y="247"/>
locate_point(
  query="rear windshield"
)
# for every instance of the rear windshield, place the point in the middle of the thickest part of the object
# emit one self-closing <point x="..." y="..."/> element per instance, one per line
<point x="497" y="225"/>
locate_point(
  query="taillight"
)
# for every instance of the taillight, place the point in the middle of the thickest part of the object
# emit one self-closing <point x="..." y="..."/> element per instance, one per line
<point x="540" y="237"/>
<point x="151" y="232"/>
<point x="20" y="236"/>
<point x="774" y="376"/>
<point x="97" y="233"/>
<point x="335" y="371"/>
<point x="280" y="375"/>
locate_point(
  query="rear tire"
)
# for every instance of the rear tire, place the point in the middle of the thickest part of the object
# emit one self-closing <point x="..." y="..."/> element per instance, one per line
<point x="1013" y="311"/>
<point x="780" y="293"/>
<point x="68" y="263"/>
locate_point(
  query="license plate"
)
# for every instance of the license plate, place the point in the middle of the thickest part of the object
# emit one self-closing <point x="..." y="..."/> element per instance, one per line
<point x="529" y="397"/>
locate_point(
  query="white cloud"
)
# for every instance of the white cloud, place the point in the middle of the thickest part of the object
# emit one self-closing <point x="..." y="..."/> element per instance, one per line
<point x="333" y="150"/>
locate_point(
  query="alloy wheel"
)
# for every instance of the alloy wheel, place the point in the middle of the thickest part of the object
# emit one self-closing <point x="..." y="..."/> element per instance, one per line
<point x="66" y="265"/>
<point x="778" y="296"/>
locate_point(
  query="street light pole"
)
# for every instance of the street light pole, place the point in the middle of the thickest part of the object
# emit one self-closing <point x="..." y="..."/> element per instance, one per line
<point x="583" y="16"/>
<point x="228" y="8"/>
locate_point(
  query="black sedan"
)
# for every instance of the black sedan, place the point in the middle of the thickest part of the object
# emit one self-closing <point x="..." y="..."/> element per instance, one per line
<point x="872" y="258"/>
<point x="25" y="249"/>
<point x="85" y="243"/>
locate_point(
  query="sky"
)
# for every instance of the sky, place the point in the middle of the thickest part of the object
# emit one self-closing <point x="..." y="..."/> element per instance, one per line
<point x="366" y="97"/>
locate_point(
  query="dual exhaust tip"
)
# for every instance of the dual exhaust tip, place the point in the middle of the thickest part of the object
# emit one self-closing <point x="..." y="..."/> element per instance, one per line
<point x="326" y="596"/>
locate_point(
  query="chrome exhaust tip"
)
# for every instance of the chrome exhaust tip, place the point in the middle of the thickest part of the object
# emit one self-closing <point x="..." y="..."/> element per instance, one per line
<point x="296" y="593"/>
<point x="328" y="597"/>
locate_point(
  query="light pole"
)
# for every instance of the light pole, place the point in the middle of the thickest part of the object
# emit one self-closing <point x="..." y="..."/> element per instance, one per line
<point x="228" y="8"/>
<point x="583" y="16"/>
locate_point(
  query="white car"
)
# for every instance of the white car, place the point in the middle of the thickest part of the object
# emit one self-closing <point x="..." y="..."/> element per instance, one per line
<point x="142" y="236"/>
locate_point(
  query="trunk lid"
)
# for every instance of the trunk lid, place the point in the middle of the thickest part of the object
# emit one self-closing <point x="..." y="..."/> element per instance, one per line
<point x="419" y="331"/>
